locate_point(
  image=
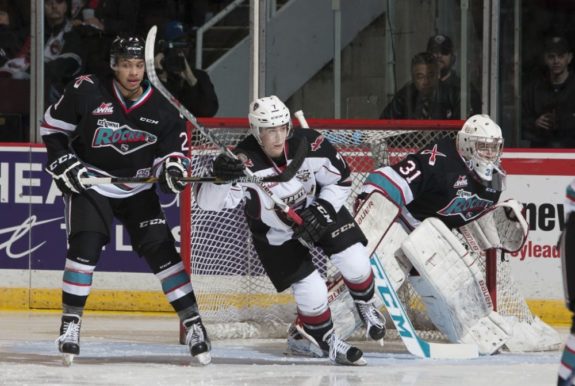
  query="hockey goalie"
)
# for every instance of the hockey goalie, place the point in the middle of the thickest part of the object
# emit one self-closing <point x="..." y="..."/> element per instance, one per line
<point x="448" y="215"/>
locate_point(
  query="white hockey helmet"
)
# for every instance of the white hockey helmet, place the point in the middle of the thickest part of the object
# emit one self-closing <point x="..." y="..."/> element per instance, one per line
<point x="480" y="143"/>
<point x="268" y="112"/>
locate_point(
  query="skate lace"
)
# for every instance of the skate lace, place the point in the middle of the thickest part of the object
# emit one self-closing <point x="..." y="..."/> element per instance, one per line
<point x="195" y="335"/>
<point x="337" y="345"/>
<point x="371" y="315"/>
<point x="71" y="333"/>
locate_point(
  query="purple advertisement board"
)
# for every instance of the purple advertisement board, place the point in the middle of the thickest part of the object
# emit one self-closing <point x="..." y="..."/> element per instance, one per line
<point x="32" y="229"/>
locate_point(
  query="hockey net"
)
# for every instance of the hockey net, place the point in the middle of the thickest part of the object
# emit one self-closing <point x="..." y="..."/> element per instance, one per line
<point x="232" y="288"/>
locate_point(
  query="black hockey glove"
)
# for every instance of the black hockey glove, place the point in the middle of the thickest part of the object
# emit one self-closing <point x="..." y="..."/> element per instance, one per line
<point x="67" y="172"/>
<point x="317" y="218"/>
<point x="228" y="168"/>
<point x="174" y="168"/>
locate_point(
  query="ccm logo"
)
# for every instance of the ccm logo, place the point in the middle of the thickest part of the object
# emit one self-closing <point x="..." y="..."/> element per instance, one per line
<point x="148" y="120"/>
<point x="155" y="221"/>
<point x="344" y="228"/>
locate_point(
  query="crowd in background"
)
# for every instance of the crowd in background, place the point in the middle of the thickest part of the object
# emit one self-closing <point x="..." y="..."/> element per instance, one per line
<point x="78" y="35"/>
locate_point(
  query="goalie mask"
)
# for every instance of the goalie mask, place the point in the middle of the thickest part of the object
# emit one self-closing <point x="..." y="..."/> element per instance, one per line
<point x="268" y="112"/>
<point x="480" y="143"/>
<point x="127" y="48"/>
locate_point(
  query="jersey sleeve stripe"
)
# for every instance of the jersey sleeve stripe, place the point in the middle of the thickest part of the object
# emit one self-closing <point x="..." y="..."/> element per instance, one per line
<point x="392" y="185"/>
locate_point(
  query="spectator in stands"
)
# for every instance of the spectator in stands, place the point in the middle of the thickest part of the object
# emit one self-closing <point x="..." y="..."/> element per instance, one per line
<point x="441" y="47"/>
<point x="99" y="22"/>
<point x="548" y="107"/>
<point x="424" y="97"/>
<point x="63" y="51"/>
<point x="192" y="87"/>
<point x="11" y="32"/>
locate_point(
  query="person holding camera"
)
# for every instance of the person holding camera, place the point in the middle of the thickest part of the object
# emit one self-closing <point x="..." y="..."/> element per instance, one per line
<point x="192" y="87"/>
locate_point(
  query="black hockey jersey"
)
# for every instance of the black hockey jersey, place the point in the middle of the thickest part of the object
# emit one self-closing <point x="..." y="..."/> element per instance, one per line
<point x="435" y="182"/>
<point x="111" y="138"/>
<point x="324" y="174"/>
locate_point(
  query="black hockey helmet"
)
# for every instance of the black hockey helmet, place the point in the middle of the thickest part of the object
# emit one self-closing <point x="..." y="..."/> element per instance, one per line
<point x="126" y="47"/>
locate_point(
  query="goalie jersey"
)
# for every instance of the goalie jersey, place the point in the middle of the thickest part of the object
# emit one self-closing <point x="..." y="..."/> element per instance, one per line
<point x="435" y="182"/>
<point x="323" y="174"/>
<point x="111" y="137"/>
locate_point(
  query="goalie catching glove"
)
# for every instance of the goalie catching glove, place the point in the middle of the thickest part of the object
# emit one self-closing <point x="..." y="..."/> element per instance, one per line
<point x="317" y="218"/>
<point x="67" y="172"/>
<point x="227" y="168"/>
<point x="174" y="169"/>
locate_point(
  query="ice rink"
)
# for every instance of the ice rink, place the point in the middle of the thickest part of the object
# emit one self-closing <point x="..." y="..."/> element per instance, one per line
<point x="143" y="349"/>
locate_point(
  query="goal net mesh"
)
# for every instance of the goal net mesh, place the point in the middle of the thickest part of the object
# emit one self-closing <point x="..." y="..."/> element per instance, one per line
<point x="229" y="281"/>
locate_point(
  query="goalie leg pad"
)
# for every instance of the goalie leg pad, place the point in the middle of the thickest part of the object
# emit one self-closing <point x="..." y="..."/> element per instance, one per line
<point x="458" y="297"/>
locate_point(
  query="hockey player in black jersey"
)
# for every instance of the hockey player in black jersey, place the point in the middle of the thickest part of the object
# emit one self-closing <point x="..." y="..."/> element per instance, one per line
<point x="446" y="186"/>
<point x="119" y="126"/>
<point x="317" y="193"/>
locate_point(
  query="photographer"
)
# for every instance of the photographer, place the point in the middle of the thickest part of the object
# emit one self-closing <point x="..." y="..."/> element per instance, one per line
<point x="192" y="87"/>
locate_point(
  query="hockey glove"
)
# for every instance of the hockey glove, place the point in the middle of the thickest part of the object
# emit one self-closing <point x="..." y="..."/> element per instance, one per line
<point x="317" y="218"/>
<point x="228" y="168"/>
<point x="174" y="169"/>
<point x="67" y="172"/>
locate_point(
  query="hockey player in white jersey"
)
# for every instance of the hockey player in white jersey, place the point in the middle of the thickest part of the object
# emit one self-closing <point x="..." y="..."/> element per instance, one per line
<point x="317" y="194"/>
<point x="452" y="185"/>
<point x="567" y="246"/>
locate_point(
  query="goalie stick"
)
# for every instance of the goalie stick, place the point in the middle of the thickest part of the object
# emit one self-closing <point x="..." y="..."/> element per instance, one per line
<point x="153" y="77"/>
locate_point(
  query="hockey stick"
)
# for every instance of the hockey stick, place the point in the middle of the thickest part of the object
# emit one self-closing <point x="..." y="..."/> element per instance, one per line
<point x="301" y="119"/>
<point x="288" y="173"/>
<point x="414" y="344"/>
<point x="153" y="77"/>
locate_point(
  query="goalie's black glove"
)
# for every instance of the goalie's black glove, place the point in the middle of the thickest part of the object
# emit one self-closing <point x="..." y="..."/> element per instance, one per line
<point x="174" y="168"/>
<point x="317" y="218"/>
<point x="67" y="172"/>
<point x="227" y="168"/>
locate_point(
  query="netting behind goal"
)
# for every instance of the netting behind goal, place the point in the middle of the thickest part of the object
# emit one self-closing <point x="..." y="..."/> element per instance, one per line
<point x="229" y="281"/>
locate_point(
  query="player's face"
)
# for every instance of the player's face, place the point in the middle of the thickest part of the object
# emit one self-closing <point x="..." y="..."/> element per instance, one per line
<point x="425" y="78"/>
<point x="129" y="74"/>
<point x="273" y="140"/>
<point x="489" y="149"/>
<point x="557" y="63"/>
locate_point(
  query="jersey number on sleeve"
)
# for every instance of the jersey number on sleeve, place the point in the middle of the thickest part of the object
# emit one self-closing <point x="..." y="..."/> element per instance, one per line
<point x="409" y="171"/>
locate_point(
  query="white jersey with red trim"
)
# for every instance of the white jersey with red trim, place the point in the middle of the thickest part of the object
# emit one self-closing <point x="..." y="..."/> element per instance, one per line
<point x="435" y="182"/>
<point x="324" y="174"/>
<point x="111" y="138"/>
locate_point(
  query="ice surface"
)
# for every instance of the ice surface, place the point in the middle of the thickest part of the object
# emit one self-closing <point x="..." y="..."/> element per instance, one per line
<point x="142" y="350"/>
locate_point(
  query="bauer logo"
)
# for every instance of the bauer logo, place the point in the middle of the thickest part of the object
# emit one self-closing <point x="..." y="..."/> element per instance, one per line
<point x="465" y="205"/>
<point x="123" y="139"/>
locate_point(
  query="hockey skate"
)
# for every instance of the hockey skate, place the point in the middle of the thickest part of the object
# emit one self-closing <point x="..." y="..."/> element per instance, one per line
<point x="300" y="343"/>
<point x="69" y="339"/>
<point x="372" y="318"/>
<point x="197" y="340"/>
<point x="340" y="352"/>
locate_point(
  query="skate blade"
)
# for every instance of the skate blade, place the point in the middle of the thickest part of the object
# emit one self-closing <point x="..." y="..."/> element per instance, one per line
<point x="68" y="359"/>
<point x="204" y="358"/>
<point x="359" y="362"/>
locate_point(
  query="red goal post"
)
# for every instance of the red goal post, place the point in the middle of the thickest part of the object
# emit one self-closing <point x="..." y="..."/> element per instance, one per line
<point x="228" y="279"/>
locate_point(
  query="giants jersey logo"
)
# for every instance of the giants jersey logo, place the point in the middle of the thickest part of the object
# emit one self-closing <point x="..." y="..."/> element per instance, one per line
<point x="466" y="205"/>
<point x="315" y="145"/>
<point x="123" y="139"/>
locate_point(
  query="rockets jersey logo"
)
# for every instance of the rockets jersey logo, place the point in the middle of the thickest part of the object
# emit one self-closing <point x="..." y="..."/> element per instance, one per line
<point x="104" y="109"/>
<point x="123" y="139"/>
<point x="82" y="78"/>
<point x="466" y="205"/>
<point x="433" y="153"/>
<point x="315" y="145"/>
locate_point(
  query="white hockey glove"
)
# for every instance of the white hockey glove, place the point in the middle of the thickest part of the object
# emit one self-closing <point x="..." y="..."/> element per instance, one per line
<point x="67" y="172"/>
<point x="317" y="218"/>
<point x="174" y="169"/>
<point x="502" y="227"/>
